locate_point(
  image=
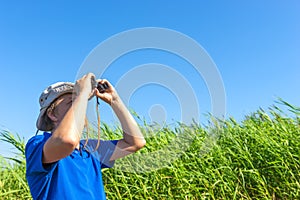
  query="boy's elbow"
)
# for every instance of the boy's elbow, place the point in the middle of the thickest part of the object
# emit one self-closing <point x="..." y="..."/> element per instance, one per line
<point x="67" y="143"/>
<point x="140" y="144"/>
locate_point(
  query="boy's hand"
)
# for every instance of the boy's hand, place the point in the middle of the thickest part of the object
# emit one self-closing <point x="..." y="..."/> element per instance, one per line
<point x="109" y="95"/>
<point x="84" y="85"/>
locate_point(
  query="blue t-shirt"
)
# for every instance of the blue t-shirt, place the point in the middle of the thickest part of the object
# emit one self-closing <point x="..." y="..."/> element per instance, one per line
<point x="78" y="176"/>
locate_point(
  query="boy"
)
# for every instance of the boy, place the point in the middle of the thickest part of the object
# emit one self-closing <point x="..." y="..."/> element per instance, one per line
<point x="57" y="164"/>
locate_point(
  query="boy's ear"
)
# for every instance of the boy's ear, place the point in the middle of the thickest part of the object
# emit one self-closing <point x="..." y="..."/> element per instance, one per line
<point x="52" y="116"/>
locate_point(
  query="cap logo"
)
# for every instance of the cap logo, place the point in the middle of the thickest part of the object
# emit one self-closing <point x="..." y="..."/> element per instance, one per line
<point x="62" y="88"/>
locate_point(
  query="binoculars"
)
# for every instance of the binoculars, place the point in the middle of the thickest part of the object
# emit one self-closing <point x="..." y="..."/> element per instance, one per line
<point x="101" y="87"/>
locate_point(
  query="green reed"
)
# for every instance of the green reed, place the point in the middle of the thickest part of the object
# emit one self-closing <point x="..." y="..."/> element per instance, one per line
<point x="257" y="158"/>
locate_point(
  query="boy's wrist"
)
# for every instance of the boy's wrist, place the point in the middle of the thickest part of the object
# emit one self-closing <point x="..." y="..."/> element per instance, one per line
<point x="83" y="95"/>
<point x="116" y="101"/>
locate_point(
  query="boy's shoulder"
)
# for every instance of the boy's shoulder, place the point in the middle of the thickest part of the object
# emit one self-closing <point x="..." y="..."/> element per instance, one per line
<point x="37" y="139"/>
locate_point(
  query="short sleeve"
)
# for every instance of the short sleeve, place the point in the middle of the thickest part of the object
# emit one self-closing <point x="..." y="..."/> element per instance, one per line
<point x="34" y="155"/>
<point x="37" y="175"/>
<point x="104" y="152"/>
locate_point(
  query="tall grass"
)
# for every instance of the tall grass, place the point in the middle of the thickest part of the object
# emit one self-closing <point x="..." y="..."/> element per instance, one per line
<point x="257" y="158"/>
<point x="13" y="183"/>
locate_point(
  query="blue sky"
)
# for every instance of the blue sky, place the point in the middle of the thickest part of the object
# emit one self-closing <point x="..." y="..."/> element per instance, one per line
<point x="254" y="44"/>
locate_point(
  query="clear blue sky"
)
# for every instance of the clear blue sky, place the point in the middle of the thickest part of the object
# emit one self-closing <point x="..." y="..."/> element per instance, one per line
<point x="254" y="44"/>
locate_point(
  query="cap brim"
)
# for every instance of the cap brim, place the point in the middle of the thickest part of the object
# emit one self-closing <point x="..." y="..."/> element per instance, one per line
<point x="40" y="123"/>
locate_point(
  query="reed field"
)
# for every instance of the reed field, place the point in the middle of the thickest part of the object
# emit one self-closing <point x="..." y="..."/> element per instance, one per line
<point x="256" y="158"/>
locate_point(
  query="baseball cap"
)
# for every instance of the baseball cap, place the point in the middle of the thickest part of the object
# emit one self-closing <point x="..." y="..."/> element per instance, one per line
<point x="48" y="96"/>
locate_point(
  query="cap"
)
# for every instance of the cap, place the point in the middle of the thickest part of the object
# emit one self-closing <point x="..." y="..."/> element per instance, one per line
<point x="47" y="97"/>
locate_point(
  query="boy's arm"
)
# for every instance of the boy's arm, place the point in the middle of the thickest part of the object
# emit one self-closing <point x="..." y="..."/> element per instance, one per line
<point x="66" y="136"/>
<point x="132" y="140"/>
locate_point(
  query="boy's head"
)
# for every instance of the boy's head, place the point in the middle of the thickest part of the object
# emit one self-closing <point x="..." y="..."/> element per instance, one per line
<point x="47" y="103"/>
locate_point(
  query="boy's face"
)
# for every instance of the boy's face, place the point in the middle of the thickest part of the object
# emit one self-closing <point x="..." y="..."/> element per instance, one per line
<point x="64" y="103"/>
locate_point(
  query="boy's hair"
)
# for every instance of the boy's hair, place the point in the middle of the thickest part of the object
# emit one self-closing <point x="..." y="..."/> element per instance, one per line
<point x="50" y="109"/>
